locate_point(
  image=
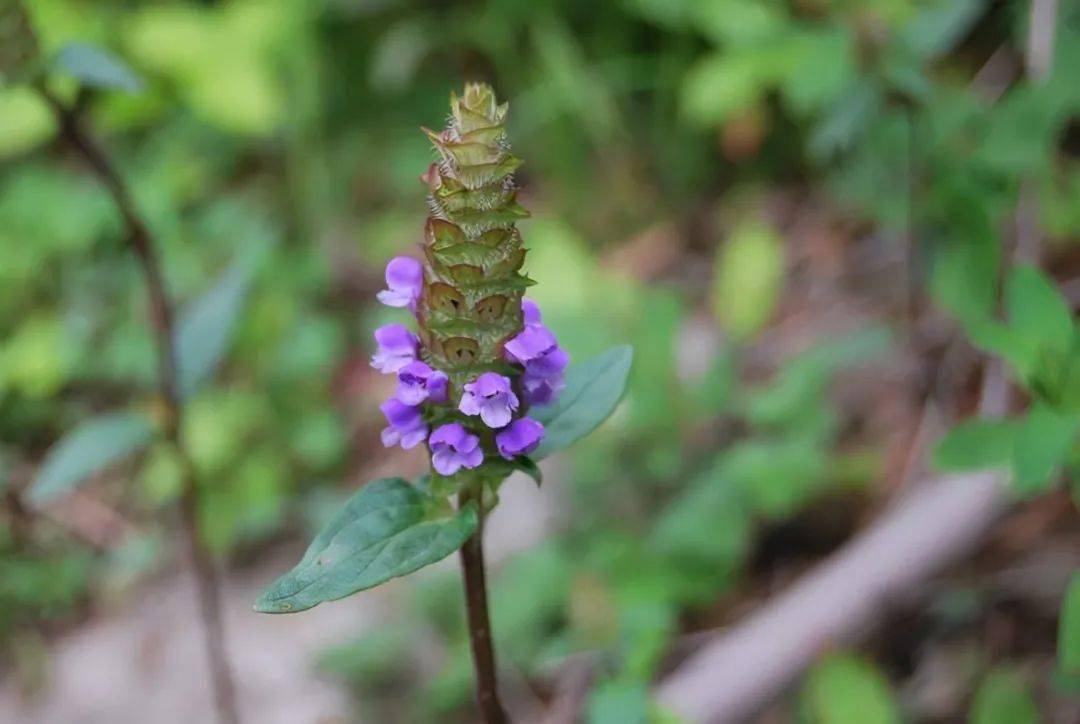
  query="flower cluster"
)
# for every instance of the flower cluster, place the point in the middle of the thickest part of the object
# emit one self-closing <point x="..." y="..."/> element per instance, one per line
<point x="537" y="358"/>
<point x="481" y="356"/>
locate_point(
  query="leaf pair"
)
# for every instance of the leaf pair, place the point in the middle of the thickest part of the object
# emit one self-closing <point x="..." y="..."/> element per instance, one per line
<point x="390" y="528"/>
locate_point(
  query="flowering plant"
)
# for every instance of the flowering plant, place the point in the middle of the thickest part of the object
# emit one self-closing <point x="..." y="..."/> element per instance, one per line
<point x="483" y="383"/>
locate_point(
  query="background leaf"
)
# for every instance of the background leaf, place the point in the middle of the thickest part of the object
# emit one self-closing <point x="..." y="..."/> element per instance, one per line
<point x="593" y="389"/>
<point x="206" y="325"/>
<point x="843" y="689"/>
<point x="1003" y="699"/>
<point x="976" y="444"/>
<point x="98" y="68"/>
<point x="1069" y="629"/>
<point x="387" y="529"/>
<point x="749" y="279"/>
<point x="95" y="444"/>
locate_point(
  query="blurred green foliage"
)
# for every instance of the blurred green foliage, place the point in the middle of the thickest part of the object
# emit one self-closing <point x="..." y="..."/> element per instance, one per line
<point x="284" y="133"/>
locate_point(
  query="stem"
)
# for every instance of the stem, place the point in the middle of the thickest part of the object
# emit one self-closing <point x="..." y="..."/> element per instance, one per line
<point x="472" y="565"/>
<point x="161" y="313"/>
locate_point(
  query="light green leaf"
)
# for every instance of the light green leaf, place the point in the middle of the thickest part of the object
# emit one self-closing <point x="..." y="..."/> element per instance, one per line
<point x="1069" y="629"/>
<point x="976" y="444"/>
<point x="205" y="328"/>
<point x="748" y="279"/>
<point x="1003" y="699"/>
<point x="593" y="389"/>
<point x="91" y="447"/>
<point x="1037" y="310"/>
<point x="1042" y="442"/>
<point x="843" y="689"/>
<point x="97" y="67"/>
<point x="388" y="529"/>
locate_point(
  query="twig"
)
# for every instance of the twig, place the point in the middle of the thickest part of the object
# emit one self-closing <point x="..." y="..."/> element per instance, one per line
<point x="483" y="655"/>
<point x="161" y="313"/>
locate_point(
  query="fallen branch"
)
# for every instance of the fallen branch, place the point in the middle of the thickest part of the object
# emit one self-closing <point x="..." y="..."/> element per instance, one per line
<point x="750" y="664"/>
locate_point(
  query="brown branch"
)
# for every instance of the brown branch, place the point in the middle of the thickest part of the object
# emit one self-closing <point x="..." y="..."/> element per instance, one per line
<point x="476" y="605"/>
<point x="161" y="313"/>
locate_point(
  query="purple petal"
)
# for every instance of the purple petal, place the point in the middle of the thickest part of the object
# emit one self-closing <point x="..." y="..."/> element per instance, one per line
<point x="530" y="311"/>
<point x="404" y="272"/>
<point x="452" y="434"/>
<point x="551" y="363"/>
<point x="531" y="343"/>
<point x="474" y="458"/>
<point x="542" y="390"/>
<point x="520" y="438"/>
<point x="446" y="461"/>
<point x="496" y="413"/>
<point x="489" y="384"/>
<point x="397" y="348"/>
<point x="404" y="279"/>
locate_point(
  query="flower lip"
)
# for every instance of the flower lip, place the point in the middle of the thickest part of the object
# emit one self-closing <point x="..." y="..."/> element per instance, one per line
<point x="520" y="437"/>
<point x="453" y="448"/>
<point x="491" y="397"/>
<point x="406" y="424"/>
<point x="418" y="382"/>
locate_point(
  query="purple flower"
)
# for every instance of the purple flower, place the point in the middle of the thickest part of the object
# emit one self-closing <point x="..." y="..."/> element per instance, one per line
<point x="490" y="397"/>
<point x="418" y="382"/>
<point x="404" y="279"/>
<point x="407" y="426"/>
<point x="531" y="311"/>
<point x="544" y="360"/>
<point x="453" y="448"/>
<point x="541" y="390"/>
<point x="532" y="342"/>
<point x="397" y="348"/>
<point x="520" y="438"/>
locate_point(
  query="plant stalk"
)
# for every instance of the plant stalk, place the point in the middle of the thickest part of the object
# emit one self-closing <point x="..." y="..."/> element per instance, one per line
<point x="162" y="317"/>
<point x="476" y="606"/>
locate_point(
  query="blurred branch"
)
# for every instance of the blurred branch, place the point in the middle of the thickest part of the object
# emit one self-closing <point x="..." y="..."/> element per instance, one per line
<point x="142" y="244"/>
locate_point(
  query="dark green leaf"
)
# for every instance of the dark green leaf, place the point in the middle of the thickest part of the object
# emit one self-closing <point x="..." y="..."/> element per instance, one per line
<point x="1069" y="629"/>
<point x="97" y="67"/>
<point x="92" y="446"/>
<point x="1003" y="699"/>
<point x="1042" y="442"/>
<point x="205" y="328"/>
<point x="593" y="389"/>
<point x="387" y="529"/>
<point x="976" y="444"/>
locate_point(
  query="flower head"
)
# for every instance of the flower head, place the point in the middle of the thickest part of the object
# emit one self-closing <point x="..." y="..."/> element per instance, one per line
<point x="538" y="350"/>
<point x="397" y="348"/>
<point x="519" y="438"/>
<point x="491" y="397"/>
<point x="540" y="389"/>
<point x="453" y="448"/>
<point x="418" y="382"/>
<point x="404" y="280"/>
<point x="407" y="426"/>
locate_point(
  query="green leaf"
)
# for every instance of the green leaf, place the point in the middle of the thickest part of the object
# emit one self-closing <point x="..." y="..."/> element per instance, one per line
<point x="976" y="444"/>
<point x="748" y="279"/>
<point x="1042" y="442"/>
<point x="389" y="528"/>
<point x="1037" y="309"/>
<point x="843" y="689"/>
<point x="97" y="67"/>
<point x="1069" y="629"/>
<point x="206" y="326"/>
<point x="592" y="391"/>
<point x="1003" y="699"/>
<point x="91" y="447"/>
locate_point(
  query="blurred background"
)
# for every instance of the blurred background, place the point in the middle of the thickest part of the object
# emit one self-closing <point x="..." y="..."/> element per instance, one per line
<point x="788" y="208"/>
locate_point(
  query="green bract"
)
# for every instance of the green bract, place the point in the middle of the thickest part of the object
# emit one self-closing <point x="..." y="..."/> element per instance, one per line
<point x="471" y="303"/>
